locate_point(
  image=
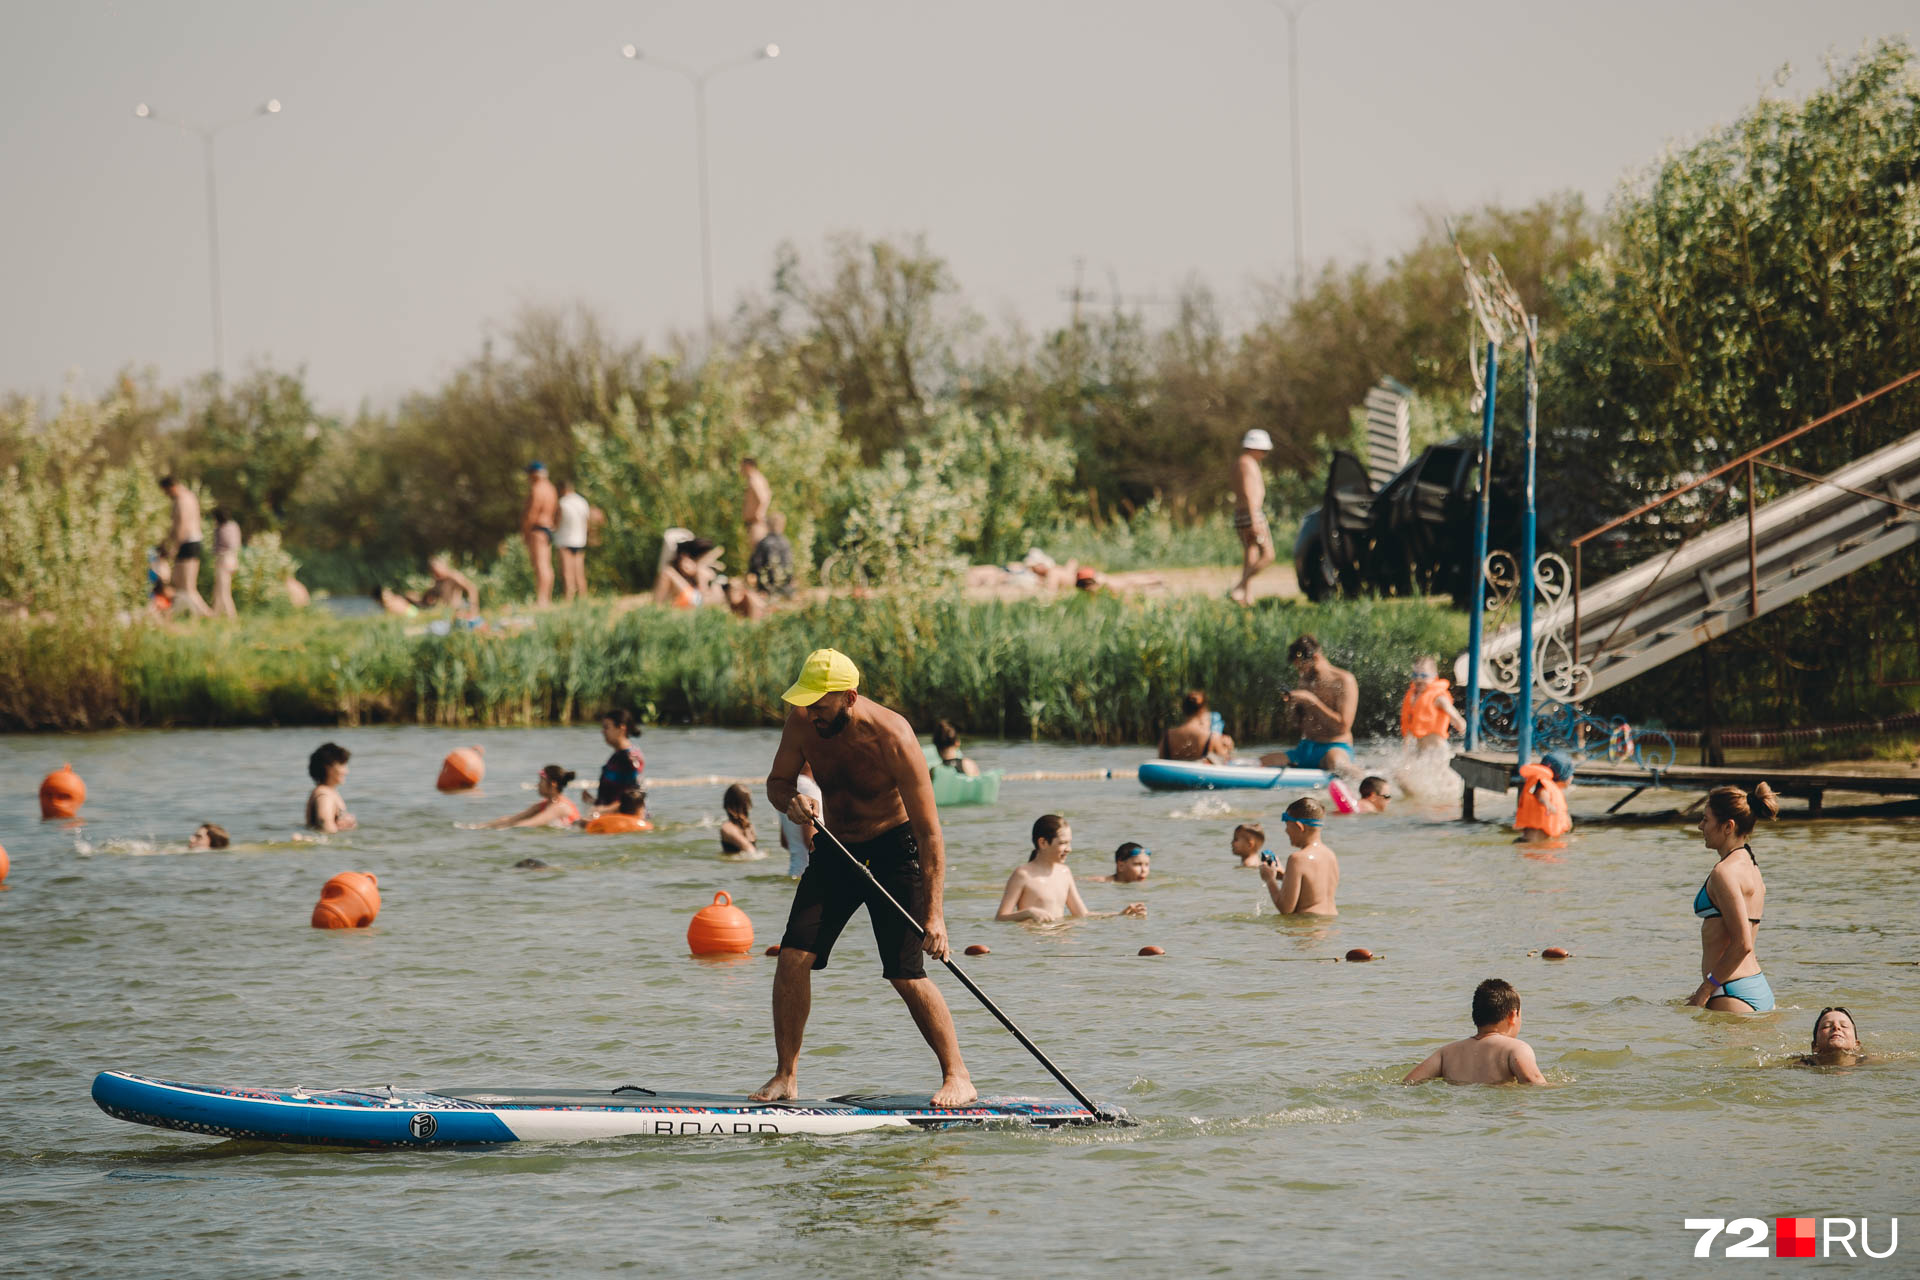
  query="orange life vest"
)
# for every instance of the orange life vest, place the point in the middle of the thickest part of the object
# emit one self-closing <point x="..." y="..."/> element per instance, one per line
<point x="1543" y="802"/>
<point x="608" y="824"/>
<point x="1420" y="713"/>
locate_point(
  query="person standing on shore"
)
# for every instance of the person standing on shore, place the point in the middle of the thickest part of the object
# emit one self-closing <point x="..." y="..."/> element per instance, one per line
<point x="571" y="535"/>
<point x="878" y="801"/>
<point x="184" y="542"/>
<point x="542" y="512"/>
<point x="770" y="566"/>
<point x="1250" y="512"/>
<point x="226" y="561"/>
<point x="756" y="503"/>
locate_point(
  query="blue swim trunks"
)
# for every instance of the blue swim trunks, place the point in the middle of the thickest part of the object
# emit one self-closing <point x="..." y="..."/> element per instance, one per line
<point x="1754" y="989"/>
<point x="1309" y="753"/>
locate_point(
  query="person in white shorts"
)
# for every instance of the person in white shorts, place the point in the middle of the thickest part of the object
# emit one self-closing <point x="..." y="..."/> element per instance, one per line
<point x="570" y="535"/>
<point x="793" y="838"/>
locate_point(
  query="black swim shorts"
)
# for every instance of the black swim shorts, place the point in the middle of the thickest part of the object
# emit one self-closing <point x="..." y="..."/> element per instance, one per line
<point x="188" y="551"/>
<point x="831" y="890"/>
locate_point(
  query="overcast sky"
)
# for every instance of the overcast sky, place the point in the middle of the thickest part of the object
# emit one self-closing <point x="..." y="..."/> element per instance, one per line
<point x="439" y="163"/>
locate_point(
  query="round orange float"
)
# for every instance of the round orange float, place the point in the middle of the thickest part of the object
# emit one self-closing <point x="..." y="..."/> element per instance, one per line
<point x="348" y="901"/>
<point x="774" y="950"/>
<point x="1359" y="955"/>
<point x="1153" y="951"/>
<point x="3" y="864"/>
<point x="614" y="824"/>
<point x="62" y="793"/>
<point x="462" y="769"/>
<point x="721" y="929"/>
<point x="979" y="949"/>
<point x="1555" y="953"/>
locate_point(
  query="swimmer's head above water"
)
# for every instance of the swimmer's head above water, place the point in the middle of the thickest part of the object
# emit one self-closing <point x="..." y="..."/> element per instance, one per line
<point x="1303" y="819"/>
<point x="1836" y="1038"/>
<point x="209" y="835"/>
<point x="1730" y="814"/>
<point x="1132" y="863"/>
<point x="325" y="760"/>
<point x="1051" y="835"/>
<point x="1249" y="839"/>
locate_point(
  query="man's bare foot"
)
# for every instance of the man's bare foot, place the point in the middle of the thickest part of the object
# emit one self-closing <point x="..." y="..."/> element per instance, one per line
<point x="955" y="1091"/>
<point x="778" y="1089"/>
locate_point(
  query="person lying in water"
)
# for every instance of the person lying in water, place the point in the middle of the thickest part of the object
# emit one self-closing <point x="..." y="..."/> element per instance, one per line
<point x="1306" y="885"/>
<point x="208" y="835"/>
<point x="1836" y="1040"/>
<point x="1494" y="1053"/>
<point x="1131" y="865"/>
<point x="552" y="809"/>
<point x="1043" y="891"/>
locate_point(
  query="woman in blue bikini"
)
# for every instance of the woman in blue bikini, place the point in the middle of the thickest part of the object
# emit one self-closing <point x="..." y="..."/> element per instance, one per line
<point x="1731" y="902"/>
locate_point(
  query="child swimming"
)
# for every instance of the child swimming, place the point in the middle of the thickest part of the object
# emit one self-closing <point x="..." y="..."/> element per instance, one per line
<point x="1042" y="890"/>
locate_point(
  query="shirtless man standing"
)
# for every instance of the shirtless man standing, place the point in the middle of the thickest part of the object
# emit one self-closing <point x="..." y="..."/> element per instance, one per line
<point x="1250" y="512"/>
<point x="1324" y="705"/>
<point x="1493" y="1054"/>
<point x="1306" y="885"/>
<point x="542" y="513"/>
<point x="756" y="503"/>
<point x="879" y="802"/>
<point x="185" y="543"/>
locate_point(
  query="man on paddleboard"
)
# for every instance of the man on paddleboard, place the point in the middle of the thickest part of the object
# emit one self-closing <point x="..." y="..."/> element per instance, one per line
<point x="879" y="802"/>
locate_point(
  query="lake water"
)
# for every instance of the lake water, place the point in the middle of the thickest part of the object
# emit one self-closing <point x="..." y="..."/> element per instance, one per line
<point x="1274" y="1135"/>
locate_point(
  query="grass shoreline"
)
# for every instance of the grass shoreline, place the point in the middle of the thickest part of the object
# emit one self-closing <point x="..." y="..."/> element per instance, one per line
<point x="1083" y="669"/>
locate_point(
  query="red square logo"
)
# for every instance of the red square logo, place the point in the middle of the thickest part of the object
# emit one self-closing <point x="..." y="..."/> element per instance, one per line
<point x="1793" y="1237"/>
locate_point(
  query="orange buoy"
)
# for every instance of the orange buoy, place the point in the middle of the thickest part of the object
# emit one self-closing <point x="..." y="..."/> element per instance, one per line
<point x="62" y="793"/>
<point x="462" y="769"/>
<point x="721" y="929"/>
<point x="774" y="950"/>
<point x="3" y="863"/>
<point x="1153" y="951"/>
<point x="979" y="949"/>
<point x="1359" y="955"/>
<point x="613" y="824"/>
<point x="1555" y="953"/>
<point x="348" y="901"/>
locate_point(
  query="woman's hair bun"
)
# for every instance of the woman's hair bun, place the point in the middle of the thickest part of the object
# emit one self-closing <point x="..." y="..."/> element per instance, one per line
<point x="1765" y="803"/>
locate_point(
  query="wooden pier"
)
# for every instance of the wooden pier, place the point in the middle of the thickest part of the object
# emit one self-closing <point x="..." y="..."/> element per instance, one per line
<point x="1496" y="772"/>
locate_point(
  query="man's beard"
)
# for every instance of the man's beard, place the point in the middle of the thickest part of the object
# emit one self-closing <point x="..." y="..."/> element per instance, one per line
<point x="834" y="725"/>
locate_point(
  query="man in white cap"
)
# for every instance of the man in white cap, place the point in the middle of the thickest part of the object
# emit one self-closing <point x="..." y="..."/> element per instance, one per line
<point x="1250" y="512"/>
<point x="879" y="803"/>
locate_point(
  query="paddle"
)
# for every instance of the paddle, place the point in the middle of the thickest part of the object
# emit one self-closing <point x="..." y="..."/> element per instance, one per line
<point x="1109" y="1117"/>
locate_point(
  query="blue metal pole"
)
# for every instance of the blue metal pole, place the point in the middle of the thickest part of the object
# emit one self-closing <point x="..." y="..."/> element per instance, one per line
<point x="1523" y="710"/>
<point x="1478" y="596"/>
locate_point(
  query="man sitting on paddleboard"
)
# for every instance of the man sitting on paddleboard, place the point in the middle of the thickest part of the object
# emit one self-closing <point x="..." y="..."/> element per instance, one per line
<point x="879" y="802"/>
<point x="1324" y="703"/>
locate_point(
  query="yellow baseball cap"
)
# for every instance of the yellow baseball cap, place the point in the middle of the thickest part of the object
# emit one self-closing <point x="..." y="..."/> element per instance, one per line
<point x="825" y="671"/>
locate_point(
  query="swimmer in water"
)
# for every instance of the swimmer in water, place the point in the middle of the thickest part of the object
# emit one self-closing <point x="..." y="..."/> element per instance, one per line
<point x="738" y="840"/>
<point x="1249" y="843"/>
<point x="1730" y="903"/>
<point x="1375" y="795"/>
<point x="1307" y="883"/>
<point x="552" y="809"/>
<point x="326" y="811"/>
<point x="1494" y="1053"/>
<point x="1043" y="890"/>
<point x="1131" y="865"/>
<point x="208" y="835"/>
<point x="1836" y="1040"/>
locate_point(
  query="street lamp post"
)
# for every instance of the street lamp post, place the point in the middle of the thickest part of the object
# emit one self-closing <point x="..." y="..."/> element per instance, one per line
<point x="698" y="79"/>
<point x="271" y="107"/>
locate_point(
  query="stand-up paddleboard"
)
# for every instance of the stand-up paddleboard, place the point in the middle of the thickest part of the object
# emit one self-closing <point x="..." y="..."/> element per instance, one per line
<point x="389" y="1117"/>
<point x="1187" y="775"/>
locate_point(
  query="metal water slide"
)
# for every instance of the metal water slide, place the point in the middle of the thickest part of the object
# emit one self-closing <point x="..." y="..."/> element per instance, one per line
<point x="1593" y="639"/>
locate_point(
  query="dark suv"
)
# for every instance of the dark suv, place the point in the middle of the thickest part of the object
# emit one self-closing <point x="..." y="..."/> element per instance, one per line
<point x="1413" y="537"/>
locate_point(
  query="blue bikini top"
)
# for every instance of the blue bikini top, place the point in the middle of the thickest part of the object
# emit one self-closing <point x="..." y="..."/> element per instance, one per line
<point x="1703" y="904"/>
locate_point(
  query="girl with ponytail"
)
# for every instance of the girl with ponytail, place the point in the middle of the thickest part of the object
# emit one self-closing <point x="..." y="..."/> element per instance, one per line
<point x="1731" y="902"/>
